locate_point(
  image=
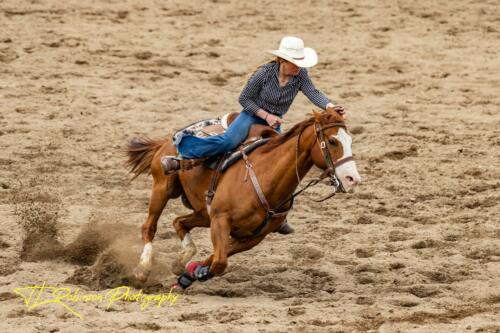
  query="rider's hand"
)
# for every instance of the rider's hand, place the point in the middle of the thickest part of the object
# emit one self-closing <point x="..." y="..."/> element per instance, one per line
<point x="273" y="121"/>
<point x="338" y="108"/>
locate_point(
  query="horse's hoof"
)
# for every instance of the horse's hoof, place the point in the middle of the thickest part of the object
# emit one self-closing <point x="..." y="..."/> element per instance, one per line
<point x="177" y="267"/>
<point x="141" y="274"/>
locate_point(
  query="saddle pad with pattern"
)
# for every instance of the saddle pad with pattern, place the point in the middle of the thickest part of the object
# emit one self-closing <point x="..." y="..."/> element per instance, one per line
<point x="202" y="129"/>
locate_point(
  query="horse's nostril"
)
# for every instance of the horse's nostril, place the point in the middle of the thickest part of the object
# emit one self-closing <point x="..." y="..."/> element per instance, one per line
<point x="350" y="179"/>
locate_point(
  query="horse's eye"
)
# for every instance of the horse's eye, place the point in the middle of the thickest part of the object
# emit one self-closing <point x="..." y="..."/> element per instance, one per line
<point x="332" y="141"/>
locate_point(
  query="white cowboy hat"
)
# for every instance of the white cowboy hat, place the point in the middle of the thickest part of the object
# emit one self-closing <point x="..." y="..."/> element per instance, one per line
<point x="292" y="49"/>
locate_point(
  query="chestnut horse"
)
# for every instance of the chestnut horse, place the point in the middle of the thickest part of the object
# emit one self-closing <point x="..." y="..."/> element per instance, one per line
<point x="237" y="210"/>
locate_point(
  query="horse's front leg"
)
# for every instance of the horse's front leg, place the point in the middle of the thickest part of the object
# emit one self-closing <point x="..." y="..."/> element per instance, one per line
<point x="157" y="202"/>
<point x="220" y="229"/>
<point x="203" y="271"/>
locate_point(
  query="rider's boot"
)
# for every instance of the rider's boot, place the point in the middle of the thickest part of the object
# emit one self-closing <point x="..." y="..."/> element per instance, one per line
<point x="172" y="164"/>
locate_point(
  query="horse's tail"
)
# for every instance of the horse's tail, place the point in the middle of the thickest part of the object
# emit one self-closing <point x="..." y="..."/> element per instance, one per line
<point x="140" y="152"/>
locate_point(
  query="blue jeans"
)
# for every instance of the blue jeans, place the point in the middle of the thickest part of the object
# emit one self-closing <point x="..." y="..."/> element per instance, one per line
<point x="195" y="147"/>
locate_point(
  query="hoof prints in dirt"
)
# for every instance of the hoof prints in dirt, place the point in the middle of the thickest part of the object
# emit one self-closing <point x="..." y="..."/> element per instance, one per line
<point x="8" y="55"/>
<point x="401" y="154"/>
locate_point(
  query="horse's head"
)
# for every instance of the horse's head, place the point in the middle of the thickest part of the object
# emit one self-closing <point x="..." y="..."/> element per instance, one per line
<point x="332" y="150"/>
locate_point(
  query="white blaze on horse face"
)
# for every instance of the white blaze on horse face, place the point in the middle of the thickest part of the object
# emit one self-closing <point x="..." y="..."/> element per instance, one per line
<point x="347" y="173"/>
<point x="147" y="256"/>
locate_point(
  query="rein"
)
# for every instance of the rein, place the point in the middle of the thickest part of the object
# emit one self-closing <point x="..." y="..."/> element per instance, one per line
<point x="329" y="172"/>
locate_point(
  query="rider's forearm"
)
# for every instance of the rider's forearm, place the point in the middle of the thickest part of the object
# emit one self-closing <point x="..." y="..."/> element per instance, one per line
<point x="262" y="114"/>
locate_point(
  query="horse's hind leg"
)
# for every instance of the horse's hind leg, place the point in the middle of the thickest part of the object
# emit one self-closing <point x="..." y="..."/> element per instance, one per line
<point x="164" y="188"/>
<point x="182" y="225"/>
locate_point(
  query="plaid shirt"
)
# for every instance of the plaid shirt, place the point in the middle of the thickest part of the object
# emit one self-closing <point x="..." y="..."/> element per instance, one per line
<point x="263" y="91"/>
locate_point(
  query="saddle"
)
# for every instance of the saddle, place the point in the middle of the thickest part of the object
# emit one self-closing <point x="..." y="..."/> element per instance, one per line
<point x="223" y="162"/>
<point x="257" y="136"/>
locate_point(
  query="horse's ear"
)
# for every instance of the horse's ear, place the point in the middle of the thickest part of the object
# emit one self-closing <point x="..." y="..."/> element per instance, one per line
<point x="316" y="115"/>
<point x="337" y="116"/>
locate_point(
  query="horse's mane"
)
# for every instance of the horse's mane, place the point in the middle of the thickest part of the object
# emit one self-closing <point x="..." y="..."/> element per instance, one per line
<point x="322" y="117"/>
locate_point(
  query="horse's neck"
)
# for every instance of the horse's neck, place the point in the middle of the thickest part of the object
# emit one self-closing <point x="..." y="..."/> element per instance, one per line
<point x="285" y="161"/>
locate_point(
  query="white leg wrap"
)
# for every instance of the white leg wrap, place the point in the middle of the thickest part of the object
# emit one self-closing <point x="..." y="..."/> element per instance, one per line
<point x="188" y="249"/>
<point x="147" y="255"/>
<point x="186" y="241"/>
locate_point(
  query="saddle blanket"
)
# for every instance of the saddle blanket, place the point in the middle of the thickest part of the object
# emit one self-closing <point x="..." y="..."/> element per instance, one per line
<point x="202" y="129"/>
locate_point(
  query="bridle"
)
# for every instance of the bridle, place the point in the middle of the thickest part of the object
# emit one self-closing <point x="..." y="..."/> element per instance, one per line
<point x="330" y="164"/>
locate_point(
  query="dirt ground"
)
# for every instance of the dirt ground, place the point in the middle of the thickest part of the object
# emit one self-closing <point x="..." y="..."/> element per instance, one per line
<point x="415" y="249"/>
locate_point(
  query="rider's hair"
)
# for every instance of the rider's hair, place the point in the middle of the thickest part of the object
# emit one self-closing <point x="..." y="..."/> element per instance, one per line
<point x="277" y="59"/>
